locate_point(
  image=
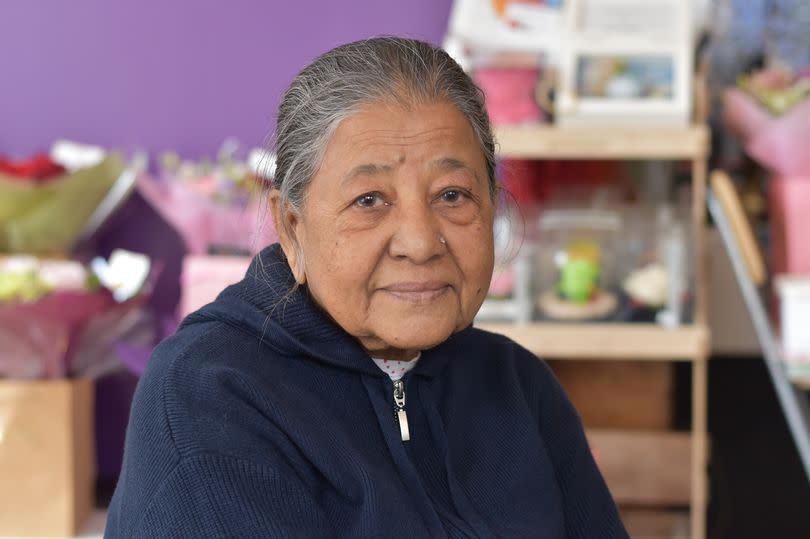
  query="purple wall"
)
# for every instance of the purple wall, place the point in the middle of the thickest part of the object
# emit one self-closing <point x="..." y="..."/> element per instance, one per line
<point x="159" y="74"/>
<point x="163" y="74"/>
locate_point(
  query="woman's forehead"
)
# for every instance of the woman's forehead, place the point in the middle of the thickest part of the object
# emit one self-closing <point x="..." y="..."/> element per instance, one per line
<point x="440" y="164"/>
<point x="393" y="135"/>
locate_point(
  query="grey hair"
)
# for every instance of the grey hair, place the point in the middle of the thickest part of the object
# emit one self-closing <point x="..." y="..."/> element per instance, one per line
<point x="340" y="82"/>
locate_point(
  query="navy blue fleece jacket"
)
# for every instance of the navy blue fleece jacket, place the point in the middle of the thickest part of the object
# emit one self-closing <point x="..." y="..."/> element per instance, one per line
<point x="262" y="418"/>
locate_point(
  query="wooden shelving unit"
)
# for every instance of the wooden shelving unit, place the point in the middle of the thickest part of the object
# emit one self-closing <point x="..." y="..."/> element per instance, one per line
<point x="544" y="142"/>
<point x="644" y="342"/>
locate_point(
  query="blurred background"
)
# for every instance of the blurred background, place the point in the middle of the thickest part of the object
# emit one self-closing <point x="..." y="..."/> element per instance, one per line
<point x="650" y="242"/>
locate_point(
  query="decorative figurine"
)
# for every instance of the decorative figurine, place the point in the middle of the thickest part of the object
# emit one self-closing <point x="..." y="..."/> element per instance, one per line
<point x="578" y="295"/>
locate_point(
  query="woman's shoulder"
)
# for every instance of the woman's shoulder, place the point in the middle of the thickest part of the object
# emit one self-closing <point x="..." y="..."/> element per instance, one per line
<point x="202" y="381"/>
<point x="196" y="351"/>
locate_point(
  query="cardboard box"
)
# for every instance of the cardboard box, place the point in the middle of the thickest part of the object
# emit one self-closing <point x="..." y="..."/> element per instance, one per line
<point x="47" y="460"/>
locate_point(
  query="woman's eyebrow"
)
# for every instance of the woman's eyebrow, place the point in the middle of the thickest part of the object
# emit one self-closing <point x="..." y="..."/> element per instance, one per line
<point x="451" y="164"/>
<point x="367" y="169"/>
<point x="443" y="164"/>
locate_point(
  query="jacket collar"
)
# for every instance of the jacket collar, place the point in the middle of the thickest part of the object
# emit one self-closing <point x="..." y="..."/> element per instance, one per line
<point x="268" y="303"/>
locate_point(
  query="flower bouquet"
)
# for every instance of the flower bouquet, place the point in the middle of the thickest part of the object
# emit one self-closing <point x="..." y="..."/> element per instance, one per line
<point x="216" y="209"/>
<point x="45" y="207"/>
<point x="60" y="318"/>
<point x="770" y="114"/>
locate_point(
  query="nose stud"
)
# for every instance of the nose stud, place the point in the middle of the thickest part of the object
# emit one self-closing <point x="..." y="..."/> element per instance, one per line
<point x="442" y="240"/>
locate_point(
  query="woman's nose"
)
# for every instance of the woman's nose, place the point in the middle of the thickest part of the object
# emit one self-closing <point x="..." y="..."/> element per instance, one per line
<point x="416" y="234"/>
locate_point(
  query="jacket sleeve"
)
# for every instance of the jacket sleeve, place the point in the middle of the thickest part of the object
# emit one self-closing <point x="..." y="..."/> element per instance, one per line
<point x="219" y="496"/>
<point x="589" y="508"/>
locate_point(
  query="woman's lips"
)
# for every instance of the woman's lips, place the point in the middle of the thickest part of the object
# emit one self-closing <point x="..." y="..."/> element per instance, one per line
<point x="417" y="292"/>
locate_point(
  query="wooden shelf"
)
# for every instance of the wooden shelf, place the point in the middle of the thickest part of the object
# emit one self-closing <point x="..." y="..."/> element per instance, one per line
<point x="655" y="522"/>
<point x="547" y="142"/>
<point x="607" y="341"/>
<point x="633" y="341"/>
<point x="644" y="468"/>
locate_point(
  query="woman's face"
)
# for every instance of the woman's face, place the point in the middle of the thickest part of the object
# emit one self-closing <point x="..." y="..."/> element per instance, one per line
<point x="395" y="238"/>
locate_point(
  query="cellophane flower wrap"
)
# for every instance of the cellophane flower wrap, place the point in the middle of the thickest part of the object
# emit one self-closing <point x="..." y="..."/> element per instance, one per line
<point x="49" y="215"/>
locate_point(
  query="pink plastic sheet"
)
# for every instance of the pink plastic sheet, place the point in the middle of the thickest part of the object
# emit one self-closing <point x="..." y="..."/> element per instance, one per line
<point x="778" y="143"/>
<point x="789" y="199"/>
<point x="205" y="224"/>
<point x="37" y="336"/>
<point x="64" y="334"/>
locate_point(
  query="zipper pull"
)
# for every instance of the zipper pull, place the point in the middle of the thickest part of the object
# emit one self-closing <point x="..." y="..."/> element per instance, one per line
<point x="399" y="404"/>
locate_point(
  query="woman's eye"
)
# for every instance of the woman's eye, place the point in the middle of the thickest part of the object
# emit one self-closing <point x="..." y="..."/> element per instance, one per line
<point x="368" y="200"/>
<point x="452" y="196"/>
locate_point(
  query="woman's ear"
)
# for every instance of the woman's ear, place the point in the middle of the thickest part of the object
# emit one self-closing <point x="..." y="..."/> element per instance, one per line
<point x="287" y="224"/>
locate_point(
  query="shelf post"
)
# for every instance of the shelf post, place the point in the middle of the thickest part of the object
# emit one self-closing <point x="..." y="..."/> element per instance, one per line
<point x="699" y="498"/>
<point x="699" y="172"/>
<point x="699" y="484"/>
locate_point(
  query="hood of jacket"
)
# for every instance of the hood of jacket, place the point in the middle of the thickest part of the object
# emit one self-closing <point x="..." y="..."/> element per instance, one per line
<point x="267" y="304"/>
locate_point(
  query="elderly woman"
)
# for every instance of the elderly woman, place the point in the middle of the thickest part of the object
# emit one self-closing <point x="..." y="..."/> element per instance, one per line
<point x="339" y="390"/>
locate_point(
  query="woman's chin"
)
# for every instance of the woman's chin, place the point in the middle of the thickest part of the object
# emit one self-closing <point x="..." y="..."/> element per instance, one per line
<point x="413" y="335"/>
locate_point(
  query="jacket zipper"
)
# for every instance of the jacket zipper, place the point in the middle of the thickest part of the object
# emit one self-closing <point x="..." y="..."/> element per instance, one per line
<point x="399" y="408"/>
